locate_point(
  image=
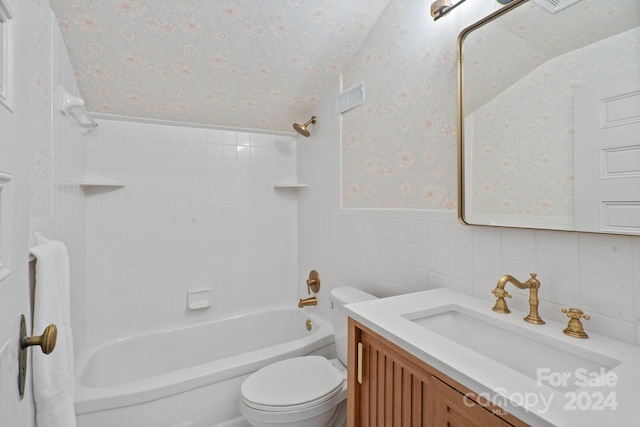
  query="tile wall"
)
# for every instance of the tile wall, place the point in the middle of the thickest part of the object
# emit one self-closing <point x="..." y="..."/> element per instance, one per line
<point x="58" y="155"/>
<point x="198" y="210"/>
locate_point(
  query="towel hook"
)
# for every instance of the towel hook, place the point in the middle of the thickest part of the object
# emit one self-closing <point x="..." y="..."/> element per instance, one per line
<point x="46" y="341"/>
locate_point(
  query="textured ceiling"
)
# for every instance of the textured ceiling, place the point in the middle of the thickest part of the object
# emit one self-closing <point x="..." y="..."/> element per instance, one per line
<point x="259" y="64"/>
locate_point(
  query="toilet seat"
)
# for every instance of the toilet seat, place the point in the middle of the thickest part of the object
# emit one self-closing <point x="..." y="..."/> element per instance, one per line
<point x="292" y="384"/>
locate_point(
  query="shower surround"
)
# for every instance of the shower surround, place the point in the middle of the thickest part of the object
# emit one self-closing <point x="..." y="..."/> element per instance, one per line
<point x="197" y="210"/>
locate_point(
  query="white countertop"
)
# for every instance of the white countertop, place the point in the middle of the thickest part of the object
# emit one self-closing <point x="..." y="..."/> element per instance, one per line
<point x="612" y="397"/>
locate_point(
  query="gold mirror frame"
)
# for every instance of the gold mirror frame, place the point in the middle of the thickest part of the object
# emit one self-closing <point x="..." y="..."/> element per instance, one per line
<point x="460" y="87"/>
<point x="461" y="177"/>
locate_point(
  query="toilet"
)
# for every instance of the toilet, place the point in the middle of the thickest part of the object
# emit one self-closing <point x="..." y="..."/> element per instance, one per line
<point x="309" y="391"/>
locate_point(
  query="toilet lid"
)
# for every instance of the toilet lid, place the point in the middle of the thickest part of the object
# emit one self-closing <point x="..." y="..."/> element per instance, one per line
<point x="292" y="382"/>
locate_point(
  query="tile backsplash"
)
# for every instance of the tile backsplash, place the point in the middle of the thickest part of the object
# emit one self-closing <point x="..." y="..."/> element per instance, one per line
<point x="197" y="210"/>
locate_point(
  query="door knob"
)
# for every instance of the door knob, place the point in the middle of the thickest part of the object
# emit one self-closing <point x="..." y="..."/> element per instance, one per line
<point x="46" y="341"/>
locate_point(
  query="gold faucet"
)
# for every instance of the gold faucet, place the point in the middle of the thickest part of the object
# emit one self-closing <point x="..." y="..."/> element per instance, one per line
<point x="532" y="284"/>
<point x="574" y="328"/>
<point x="307" y="301"/>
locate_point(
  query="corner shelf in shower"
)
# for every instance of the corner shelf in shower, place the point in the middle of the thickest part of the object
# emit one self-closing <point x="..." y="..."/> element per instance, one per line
<point x="295" y="186"/>
<point x="101" y="184"/>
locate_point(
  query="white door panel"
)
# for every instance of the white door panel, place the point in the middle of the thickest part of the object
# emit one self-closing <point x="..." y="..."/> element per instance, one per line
<point x="14" y="213"/>
<point x="607" y="154"/>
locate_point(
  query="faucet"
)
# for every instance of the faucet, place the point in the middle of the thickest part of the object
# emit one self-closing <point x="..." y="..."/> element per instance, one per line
<point x="532" y="284"/>
<point x="307" y="301"/>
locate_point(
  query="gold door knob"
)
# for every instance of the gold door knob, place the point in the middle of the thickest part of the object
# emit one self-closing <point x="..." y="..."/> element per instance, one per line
<point x="46" y="341"/>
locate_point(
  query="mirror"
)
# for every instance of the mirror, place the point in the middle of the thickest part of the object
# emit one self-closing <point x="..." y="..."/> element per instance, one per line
<point x="549" y="117"/>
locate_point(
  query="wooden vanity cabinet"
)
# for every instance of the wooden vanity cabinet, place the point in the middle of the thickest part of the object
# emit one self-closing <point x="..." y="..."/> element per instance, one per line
<point x="396" y="389"/>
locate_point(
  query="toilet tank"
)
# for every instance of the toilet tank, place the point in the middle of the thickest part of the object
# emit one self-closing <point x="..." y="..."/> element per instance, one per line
<point x="340" y="297"/>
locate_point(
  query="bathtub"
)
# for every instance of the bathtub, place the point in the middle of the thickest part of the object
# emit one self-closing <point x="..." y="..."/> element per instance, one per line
<point x="190" y="376"/>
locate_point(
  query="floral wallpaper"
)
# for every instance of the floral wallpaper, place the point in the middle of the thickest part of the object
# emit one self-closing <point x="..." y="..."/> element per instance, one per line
<point x="399" y="148"/>
<point x="522" y="158"/>
<point x="238" y="63"/>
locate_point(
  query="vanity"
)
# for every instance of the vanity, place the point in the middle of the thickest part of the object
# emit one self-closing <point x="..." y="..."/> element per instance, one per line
<point x="440" y="357"/>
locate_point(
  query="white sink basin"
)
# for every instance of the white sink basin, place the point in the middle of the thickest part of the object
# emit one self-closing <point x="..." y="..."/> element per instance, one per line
<point x="518" y="348"/>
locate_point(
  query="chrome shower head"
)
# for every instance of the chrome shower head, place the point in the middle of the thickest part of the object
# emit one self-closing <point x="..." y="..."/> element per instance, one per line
<point x="302" y="129"/>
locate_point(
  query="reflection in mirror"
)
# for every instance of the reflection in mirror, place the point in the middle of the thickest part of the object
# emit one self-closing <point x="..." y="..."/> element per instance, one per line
<point x="549" y="117"/>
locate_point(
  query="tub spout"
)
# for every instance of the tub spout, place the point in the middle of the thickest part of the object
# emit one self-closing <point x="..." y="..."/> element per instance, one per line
<point x="307" y="301"/>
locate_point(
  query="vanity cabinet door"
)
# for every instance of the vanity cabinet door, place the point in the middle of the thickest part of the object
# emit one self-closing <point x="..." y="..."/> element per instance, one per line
<point x="394" y="389"/>
<point x="452" y="408"/>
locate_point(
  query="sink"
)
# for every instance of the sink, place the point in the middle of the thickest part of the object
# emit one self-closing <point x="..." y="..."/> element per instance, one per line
<point x="515" y="347"/>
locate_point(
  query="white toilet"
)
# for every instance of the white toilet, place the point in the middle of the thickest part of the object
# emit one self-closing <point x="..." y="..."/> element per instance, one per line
<point x="309" y="391"/>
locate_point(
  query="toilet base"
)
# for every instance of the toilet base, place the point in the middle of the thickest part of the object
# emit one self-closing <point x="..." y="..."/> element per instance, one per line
<point x="334" y="418"/>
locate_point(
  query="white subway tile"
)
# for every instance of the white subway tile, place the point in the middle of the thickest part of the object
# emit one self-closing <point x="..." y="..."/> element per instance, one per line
<point x="148" y="146"/>
<point x="166" y="147"/>
<point x="229" y="137"/>
<point x="607" y="295"/>
<point x="199" y="135"/>
<point x="606" y="254"/>
<point x="130" y="130"/>
<point x="182" y="134"/>
<point x="636" y="298"/>
<point x="214" y="136"/>
<point x="110" y="128"/>
<point x="130" y="146"/>
<point x="519" y="244"/>
<point x="148" y="131"/>
<point x="487" y="241"/>
<point x="460" y="238"/>
<point x="558" y="249"/>
<point x="183" y="148"/>
<point x="229" y="151"/>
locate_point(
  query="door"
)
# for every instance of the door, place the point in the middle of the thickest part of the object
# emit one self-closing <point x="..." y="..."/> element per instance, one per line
<point x="14" y="284"/>
<point x="15" y="122"/>
<point x="607" y="154"/>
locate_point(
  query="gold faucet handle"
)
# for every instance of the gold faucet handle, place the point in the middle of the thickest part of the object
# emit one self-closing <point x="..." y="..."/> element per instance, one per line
<point x="313" y="282"/>
<point x="500" y="293"/>
<point x="574" y="313"/>
<point x="574" y="328"/>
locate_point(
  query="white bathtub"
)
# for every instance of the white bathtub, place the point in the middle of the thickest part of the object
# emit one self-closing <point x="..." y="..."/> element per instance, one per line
<point x="190" y="376"/>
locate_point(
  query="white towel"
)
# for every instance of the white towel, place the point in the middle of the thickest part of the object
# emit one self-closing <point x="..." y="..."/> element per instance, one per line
<point x="53" y="373"/>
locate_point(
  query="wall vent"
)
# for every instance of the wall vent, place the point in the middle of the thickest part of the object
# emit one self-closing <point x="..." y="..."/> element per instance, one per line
<point x="349" y="99"/>
<point x="554" y="6"/>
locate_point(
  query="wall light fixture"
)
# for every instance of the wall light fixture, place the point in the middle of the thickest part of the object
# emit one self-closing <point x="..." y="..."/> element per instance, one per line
<point x="439" y="8"/>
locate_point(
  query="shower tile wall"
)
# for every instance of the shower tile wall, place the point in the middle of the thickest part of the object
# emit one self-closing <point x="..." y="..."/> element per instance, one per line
<point x="197" y="210"/>
<point x="58" y="155"/>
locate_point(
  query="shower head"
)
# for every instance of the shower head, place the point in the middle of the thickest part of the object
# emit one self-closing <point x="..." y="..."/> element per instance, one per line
<point x="302" y="129"/>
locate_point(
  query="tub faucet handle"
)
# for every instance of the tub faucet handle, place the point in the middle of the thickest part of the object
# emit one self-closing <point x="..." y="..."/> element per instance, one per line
<point x="313" y="282"/>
